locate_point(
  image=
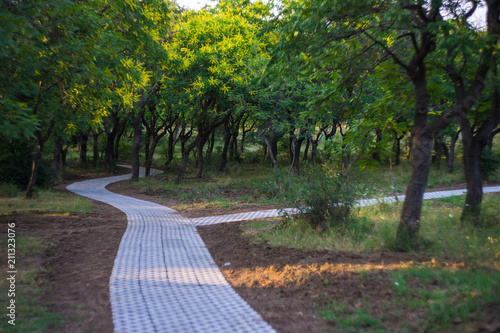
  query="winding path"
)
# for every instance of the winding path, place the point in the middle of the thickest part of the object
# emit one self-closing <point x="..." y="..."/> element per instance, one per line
<point x="164" y="278"/>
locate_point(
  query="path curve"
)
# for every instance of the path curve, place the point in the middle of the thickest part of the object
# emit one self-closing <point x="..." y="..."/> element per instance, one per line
<point x="164" y="279"/>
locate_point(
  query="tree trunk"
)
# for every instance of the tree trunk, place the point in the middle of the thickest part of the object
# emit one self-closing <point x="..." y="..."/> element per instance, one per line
<point x="64" y="154"/>
<point x="56" y="160"/>
<point x="199" y="152"/>
<point x="41" y="140"/>
<point x="171" y="147"/>
<point x="422" y="140"/>
<point x="314" y="152"/>
<point x="185" y="159"/>
<point x="437" y="149"/>
<point x="121" y="130"/>
<point x="473" y="179"/>
<point x="34" y="170"/>
<point x="227" y="138"/>
<point x="211" y="145"/>
<point x="451" y="158"/>
<point x="108" y="152"/>
<point x="306" y="151"/>
<point x="148" y="158"/>
<point x="95" y="139"/>
<point x="83" y="149"/>
<point x="136" y="147"/>
<point x="378" y="136"/>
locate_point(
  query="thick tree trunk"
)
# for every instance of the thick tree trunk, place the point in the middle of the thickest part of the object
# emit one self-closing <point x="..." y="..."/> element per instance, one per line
<point x="422" y="141"/>
<point x="108" y="152"/>
<point x="474" y="197"/>
<point x="83" y="149"/>
<point x="410" y="216"/>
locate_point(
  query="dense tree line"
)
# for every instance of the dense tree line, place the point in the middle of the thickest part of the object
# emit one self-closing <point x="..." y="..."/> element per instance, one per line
<point x="359" y="76"/>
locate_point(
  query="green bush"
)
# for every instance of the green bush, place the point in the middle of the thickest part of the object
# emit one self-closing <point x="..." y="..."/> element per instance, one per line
<point x="489" y="163"/>
<point x="323" y="198"/>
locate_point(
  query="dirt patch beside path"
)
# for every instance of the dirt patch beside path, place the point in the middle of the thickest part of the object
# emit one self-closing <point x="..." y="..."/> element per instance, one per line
<point x="78" y="263"/>
<point x="288" y="287"/>
<point x="190" y="209"/>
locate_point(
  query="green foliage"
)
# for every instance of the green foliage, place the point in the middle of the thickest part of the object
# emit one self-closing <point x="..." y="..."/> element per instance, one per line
<point x="489" y="163"/>
<point x="16" y="161"/>
<point x="323" y="197"/>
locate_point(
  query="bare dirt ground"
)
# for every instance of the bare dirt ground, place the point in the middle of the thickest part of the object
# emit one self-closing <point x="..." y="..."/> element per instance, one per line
<point x="78" y="263"/>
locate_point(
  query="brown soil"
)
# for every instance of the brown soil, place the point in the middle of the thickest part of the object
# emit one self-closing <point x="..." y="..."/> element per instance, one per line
<point x="78" y="263"/>
<point x="287" y="287"/>
<point x="164" y="197"/>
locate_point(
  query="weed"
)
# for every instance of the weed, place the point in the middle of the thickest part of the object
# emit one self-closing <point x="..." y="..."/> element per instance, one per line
<point x="348" y="319"/>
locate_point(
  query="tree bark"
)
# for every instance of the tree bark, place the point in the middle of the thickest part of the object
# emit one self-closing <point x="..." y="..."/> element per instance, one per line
<point x="95" y="158"/>
<point x="83" y="149"/>
<point x="472" y="156"/>
<point x="451" y="158"/>
<point x="56" y="159"/>
<point x="422" y="140"/>
<point x="227" y="138"/>
<point x="136" y="147"/>
<point x="41" y="140"/>
<point x="306" y="151"/>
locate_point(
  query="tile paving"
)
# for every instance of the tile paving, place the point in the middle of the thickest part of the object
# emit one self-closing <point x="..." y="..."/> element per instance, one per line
<point x="165" y="280"/>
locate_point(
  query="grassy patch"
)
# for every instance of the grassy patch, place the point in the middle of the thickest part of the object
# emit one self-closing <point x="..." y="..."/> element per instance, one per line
<point x="374" y="229"/>
<point x="45" y="200"/>
<point x="447" y="296"/>
<point x="31" y="315"/>
<point x="348" y="319"/>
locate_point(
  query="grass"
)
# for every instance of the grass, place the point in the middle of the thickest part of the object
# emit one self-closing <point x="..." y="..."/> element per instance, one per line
<point x="447" y="295"/>
<point x="31" y="314"/>
<point x="49" y="200"/>
<point x="348" y="319"/>
<point x="460" y="285"/>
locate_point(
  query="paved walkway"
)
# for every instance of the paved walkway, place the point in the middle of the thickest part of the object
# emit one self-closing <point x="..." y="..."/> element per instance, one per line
<point x="165" y="280"/>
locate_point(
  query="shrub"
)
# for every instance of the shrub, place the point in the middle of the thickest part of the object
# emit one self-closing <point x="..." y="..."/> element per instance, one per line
<point x="323" y="198"/>
<point x="489" y="163"/>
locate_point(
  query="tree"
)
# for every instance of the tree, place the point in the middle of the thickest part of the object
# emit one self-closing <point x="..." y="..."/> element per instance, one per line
<point x="212" y="61"/>
<point x="407" y="33"/>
